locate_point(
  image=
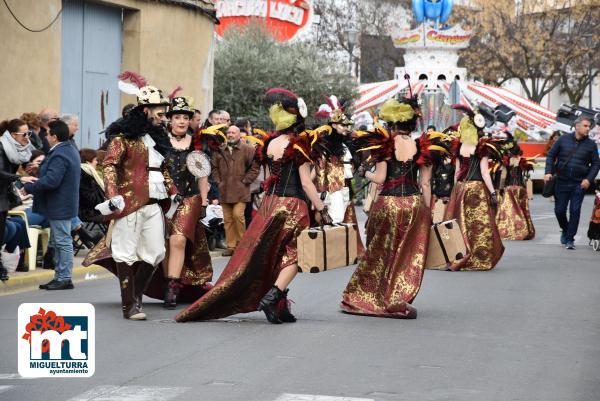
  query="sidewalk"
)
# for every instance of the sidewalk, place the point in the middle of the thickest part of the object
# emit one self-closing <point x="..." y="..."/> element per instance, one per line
<point x="29" y="281"/>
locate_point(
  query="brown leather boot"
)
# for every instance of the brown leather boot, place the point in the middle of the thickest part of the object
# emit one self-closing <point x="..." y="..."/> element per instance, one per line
<point x="143" y="275"/>
<point x="127" y="285"/>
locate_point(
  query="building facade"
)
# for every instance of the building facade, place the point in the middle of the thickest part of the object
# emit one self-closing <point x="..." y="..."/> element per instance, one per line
<point x="72" y="66"/>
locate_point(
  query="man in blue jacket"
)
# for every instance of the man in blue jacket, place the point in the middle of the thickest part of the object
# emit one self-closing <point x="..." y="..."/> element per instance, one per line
<point x="574" y="160"/>
<point x="56" y="196"/>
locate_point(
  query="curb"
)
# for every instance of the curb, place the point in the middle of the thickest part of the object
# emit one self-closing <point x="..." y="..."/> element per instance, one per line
<point x="29" y="281"/>
<point x="21" y="282"/>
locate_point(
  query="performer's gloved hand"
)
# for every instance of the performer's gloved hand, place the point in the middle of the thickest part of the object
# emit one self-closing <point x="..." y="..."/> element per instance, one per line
<point x="177" y="198"/>
<point x="325" y="217"/>
<point x="115" y="204"/>
<point x="494" y="197"/>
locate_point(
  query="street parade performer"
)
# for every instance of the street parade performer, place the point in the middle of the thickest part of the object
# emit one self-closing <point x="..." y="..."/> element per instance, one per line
<point x="137" y="185"/>
<point x="513" y="217"/>
<point x="265" y="261"/>
<point x="389" y="275"/>
<point x="333" y="169"/>
<point x="473" y="200"/>
<point x="187" y="269"/>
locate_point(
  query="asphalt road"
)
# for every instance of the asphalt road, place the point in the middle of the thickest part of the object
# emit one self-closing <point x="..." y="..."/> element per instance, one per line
<point x="528" y="330"/>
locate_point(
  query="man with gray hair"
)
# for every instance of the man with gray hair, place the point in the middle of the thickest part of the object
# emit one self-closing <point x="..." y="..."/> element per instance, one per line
<point x="72" y="122"/>
<point x="46" y="115"/>
<point x="574" y="159"/>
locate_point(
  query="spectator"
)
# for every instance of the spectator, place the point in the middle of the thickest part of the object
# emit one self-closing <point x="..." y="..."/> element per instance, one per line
<point x="46" y="115"/>
<point x="574" y="160"/>
<point x="553" y="138"/>
<point x="33" y="122"/>
<point x="214" y="118"/>
<point x="224" y="117"/>
<point x="33" y="167"/>
<point x="195" y="121"/>
<point x="72" y="122"/>
<point x="91" y="187"/>
<point x="234" y="169"/>
<point x="244" y="125"/>
<point x="56" y="196"/>
<point x="15" y="150"/>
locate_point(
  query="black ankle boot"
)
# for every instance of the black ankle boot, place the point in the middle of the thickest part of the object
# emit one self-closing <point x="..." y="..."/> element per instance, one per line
<point x="268" y="304"/>
<point x="3" y="273"/>
<point x="171" y="293"/>
<point x="285" y="314"/>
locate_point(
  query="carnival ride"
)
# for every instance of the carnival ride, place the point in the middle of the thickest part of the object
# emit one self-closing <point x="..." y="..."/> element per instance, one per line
<point x="431" y="65"/>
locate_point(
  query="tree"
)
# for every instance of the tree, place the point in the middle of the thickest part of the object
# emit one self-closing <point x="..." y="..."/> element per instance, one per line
<point x="533" y="41"/>
<point x="372" y="19"/>
<point x="248" y="61"/>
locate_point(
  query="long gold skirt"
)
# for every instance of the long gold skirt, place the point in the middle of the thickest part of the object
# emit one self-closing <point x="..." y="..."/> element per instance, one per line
<point x="470" y="204"/>
<point x="268" y="246"/>
<point x="389" y="275"/>
<point x="513" y="217"/>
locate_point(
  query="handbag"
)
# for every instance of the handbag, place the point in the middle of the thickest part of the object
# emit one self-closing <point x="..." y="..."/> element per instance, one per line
<point x="550" y="185"/>
<point x="14" y="199"/>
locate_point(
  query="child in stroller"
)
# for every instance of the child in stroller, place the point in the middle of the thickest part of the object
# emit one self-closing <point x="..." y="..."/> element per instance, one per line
<point x="214" y="226"/>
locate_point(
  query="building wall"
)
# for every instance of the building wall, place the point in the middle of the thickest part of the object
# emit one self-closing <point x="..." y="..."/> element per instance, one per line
<point x="30" y="66"/>
<point x="168" y="44"/>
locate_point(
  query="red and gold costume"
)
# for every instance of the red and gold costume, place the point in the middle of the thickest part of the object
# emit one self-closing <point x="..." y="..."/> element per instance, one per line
<point x="594" y="227"/>
<point x="513" y="217"/>
<point x="471" y="205"/>
<point x="269" y="244"/>
<point x="389" y="275"/>
<point x="332" y="177"/>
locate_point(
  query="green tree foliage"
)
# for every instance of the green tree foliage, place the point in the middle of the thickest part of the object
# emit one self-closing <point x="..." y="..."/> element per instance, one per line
<point x="248" y="62"/>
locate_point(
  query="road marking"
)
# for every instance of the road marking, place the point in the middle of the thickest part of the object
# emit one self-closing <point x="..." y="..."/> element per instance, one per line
<point x="311" y="397"/>
<point x="13" y="376"/>
<point x="130" y="393"/>
<point x="5" y="388"/>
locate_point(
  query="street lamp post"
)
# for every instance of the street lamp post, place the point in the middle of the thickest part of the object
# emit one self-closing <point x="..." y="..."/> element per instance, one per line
<point x="352" y="37"/>
<point x="589" y="43"/>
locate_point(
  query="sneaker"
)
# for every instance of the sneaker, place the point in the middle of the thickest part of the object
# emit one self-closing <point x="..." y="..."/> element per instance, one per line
<point x="570" y="245"/>
<point x="563" y="238"/>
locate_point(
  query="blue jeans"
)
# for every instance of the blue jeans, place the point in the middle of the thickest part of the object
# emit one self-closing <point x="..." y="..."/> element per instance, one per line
<point x="35" y="219"/>
<point x="60" y="238"/>
<point x="570" y="195"/>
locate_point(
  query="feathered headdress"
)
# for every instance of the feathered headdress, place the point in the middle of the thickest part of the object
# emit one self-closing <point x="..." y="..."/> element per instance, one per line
<point x="286" y="109"/>
<point x="334" y="111"/>
<point x="147" y="95"/>
<point x="469" y="125"/>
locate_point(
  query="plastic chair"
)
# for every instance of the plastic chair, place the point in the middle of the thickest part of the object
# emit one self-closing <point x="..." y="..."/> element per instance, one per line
<point x="36" y="234"/>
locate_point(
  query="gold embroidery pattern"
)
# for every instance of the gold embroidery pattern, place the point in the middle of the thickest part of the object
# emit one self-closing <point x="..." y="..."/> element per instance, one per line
<point x="513" y="217"/>
<point x="470" y="205"/>
<point x="390" y="273"/>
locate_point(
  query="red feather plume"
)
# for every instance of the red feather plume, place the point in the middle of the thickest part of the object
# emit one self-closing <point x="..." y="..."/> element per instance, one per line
<point x="178" y="89"/>
<point x="134" y="77"/>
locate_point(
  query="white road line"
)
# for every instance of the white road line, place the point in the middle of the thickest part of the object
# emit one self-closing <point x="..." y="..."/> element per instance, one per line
<point x="5" y="388"/>
<point x="311" y="397"/>
<point x="13" y="376"/>
<point x="130" y="393"/>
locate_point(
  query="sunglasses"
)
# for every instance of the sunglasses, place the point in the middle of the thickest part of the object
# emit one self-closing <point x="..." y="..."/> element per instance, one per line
<point x="26" y="134"/>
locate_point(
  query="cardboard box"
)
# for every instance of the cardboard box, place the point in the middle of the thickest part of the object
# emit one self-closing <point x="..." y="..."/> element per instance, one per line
<point x="439" y="209"/>
<point x="327" y="248"/>
<point x="446" y="244"/>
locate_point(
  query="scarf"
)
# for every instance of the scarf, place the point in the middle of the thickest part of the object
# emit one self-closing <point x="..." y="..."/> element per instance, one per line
<point x="16" y="153"/>
<point x="91" y="171"/>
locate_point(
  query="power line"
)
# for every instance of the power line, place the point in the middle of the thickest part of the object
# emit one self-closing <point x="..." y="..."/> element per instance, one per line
<point x="29" y="29"/>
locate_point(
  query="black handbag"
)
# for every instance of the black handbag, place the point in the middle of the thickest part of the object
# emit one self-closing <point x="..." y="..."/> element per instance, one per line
<point x="550" y="185"/>
<point x="14" y="199"/>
